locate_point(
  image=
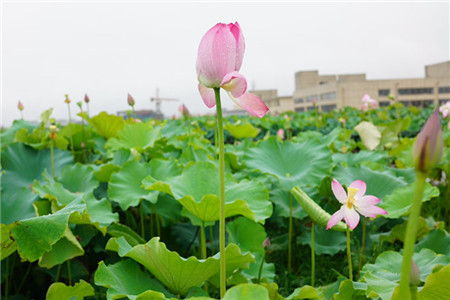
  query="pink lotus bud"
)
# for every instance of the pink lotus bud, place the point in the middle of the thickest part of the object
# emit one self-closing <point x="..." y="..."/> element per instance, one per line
<point x="130" y="100"/>
<point x="414" y="274"/>
<point x="86" y="98"/>
<point x="20" y="106"/>
<point x="280" y="133"/>
<point x="67" y="98"/>
<point x="266" y="243"/>
<point x="445" y="109"/>
<point x="183" y="110"/>
<point x="429" y="145"/>
<point x="83" y="145"/>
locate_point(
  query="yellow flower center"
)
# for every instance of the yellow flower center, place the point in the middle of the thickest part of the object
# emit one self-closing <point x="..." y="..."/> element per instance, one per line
<point x="351" y="197"/>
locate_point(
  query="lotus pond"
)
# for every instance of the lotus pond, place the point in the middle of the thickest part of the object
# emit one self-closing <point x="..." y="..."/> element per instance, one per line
<point x="108" y="208"/>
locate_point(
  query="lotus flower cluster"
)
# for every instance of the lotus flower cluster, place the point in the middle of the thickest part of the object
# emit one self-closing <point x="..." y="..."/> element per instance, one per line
<point x="368" y="103"/>
<point x="219" y="59"/>
<point x="445" y="111"/>
<point x="354" y="201"/>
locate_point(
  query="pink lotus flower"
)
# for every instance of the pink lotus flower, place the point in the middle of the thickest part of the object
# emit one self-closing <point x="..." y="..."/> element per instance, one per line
<point x="183" y="110"/>
<point x="353" y="201"/>
<point x="280" y="133"/>
<point x="368" y="103"/>
<point x="219" y="59"/>
<point x="445" y="109"/>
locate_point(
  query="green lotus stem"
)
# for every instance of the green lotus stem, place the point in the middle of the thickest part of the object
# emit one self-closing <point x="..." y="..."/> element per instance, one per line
<point x="157" y="220"/>
<point x="349" y="255"/>
<point x="223" y="287"/>
<point x="290" y="234"/>
<point x="363" y="245"/>
<point x="87" y="109"/>
<point x="69" y="272"/>
<point x="71" y="137"/>
<point x="58" y="273"/>
<point x="211" y="238"/>
<point x="21" y="115"/>
<point x="313" y="256"/>
<point x="261" y="267"/>
<point x="141" y="219"/>
<point x="202" y="241"/>
<point x="52" y="158"/>
<point x="413" y="292"/>
<point x="24" y="278"/>
<point x="410" y="236"/>
<point x="133" y="112"/>
<point x="7" y="279"/>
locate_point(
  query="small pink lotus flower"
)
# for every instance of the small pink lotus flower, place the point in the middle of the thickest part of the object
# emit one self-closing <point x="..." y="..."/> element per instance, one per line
<point x="445" y="110"/>
<point x="280" y="133"/>
<point x="20" y="106"/>
<point x="368" y="103"/>
<point x="219" y="59"/>
<point x="353" y="201"/>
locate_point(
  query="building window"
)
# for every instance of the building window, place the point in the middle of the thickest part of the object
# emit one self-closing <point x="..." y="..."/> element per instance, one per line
<point x="384" y="103"/>
<point x="406" y="103"/>
<point x="427" y="103"/>
<point x="415" y="91"/>
<point x="443" y="101"/>
<point x="444" y="90"/>
<point x="383" y="93"/>
<point x="328" y="96"/>
<point x="327" y="108"/>
<point x="299" y="100"/>
<point x="311" y="98"/>
<point x="299" y="109"/>
<point x="310" y="108"/>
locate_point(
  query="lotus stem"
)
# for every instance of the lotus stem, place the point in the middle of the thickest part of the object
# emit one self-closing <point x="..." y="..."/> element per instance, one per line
<point x="58" y="273"/>
<point x="410" y="236"/>
<point x="202" y="241"/>
<point x="349" y="255"/>
<point x="52" y="157"/>
<point x="290" y="235"/>
<point x="223" y="287"/>
<point x="24" y="278"/>
<point x="261" y="267"/>
<point x="21" y="115"/>
<point x="69" y="272"/>
<point x="211" y="237"/>
<point x="134" y="113"/>
<point x="363" y="245"/>
<point x="141" y="219"/>
<point x="7" y="279"/>
<point x="313" y="256"/>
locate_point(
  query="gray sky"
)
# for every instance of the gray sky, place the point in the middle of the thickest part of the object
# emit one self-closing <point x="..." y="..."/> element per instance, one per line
<point x="109" y="49"/>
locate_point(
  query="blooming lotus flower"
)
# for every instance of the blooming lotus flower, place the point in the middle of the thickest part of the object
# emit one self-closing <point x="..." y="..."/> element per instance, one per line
<point x="445" y="109"/>
<point x="353" y="202"/>
<point x="219" y="59"/>
<point x="280" y="133"/>
<point x="368" y="103"/>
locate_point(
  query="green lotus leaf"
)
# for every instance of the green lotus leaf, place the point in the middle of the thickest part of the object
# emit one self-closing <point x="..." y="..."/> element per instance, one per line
<point x="60" y="291"/>
<point x="23" y="165"/>
<point x="126" y="279"/>
<point x="437" y="240"/>
<point x="8" y="246"/>
<point x="17" y="206"/>
<point x="247" y="292"/>
<point x="121" y="230"/>
<point x="53" y="190"/>
<point x="125" y="185"/>
<point x="78" y="178"/>
<point x="379" y="183"/>
<point x="139" y="136"/>
<point x="241" y="131"/>
<point x="7" y="136"/>
<point x="103" y="174"/>
<point x="281" y="200"/>
<point x="197" y="189"/>
<point x="106" y="125"/>
<point x="351" y="290"/>
<point x="304" y="163"/>
<point x="64" y="249"/>
<point x="305" y="292"/>
<point x="176" y="273"/>
<point x="436" y="286"/>
<point x="100" y="211"/>
<point x="399" y="202"/>
<point x="383" y="276"/>
<point x="325" y="241"/>
<point x="353" y="159"/>
<point x="194" y="153"/>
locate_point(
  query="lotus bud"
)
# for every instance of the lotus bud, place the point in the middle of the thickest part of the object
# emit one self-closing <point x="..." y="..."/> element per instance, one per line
<point x="86" y="98"/>
<point x="20" y="106"/>
<point x="183" y="110"/>
<point x="67" y="98"/>
<point x="53" y="130"/>
<point x="130" y="100"/>
<point x="266" y="243"/>
<point x="79" y="104"/>
<point x="414" y="274"/>
<point x="429" y="145"/>
<point x="280" y="133"/>
<point x="391" y="97"/>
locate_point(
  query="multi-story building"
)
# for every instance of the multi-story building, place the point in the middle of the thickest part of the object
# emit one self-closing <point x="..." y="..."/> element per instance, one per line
<point x="277" y="104"/>
<point x="328" y="92"/>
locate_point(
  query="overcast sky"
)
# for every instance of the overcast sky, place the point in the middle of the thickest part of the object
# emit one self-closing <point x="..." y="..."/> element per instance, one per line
<point x="110" y="49"/>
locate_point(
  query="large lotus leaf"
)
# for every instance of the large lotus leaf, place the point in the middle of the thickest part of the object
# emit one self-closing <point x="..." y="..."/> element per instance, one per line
<point x="437" y="240"/>
<point x="126" y="279"/>
<point x="8" y="246"/>
<point x="325" y="241"/>
<point x="53" y="190"/>
<point x="248" y="235"/>
<point x="351" y="290"/>
<point x="121" y="230"/>
<point x="64" y="249"/>
<point x="17" y="206"/>
<point x="7" y="136"/>
<point x="400" y="200"/>
<point x="100" y="211"/>
<point x="304" y="163"/>
<point x="241" y="131"/>
<point x="370" y="135"/>
<point x="139" y="136"/>
<point x="78" y="178"/>
<point x="247" y="292"/>
<point x="22" y="165"/>
<point x="106" y="125"/>
<point x="197" y="189"/>
<point x="125" y="185"/>
<point x="161" y="169"/>
<point x="194" y="152"/>
<point x="60" y="291"/>
<point x="379" y="183"/>
<point x="281" y="200"/>
<point x="436" y="286"/>
<point x="176" y="273"/>
<point x="305" y="292"/>
<point x="353" y="159"/>
<point x="382" y="277"/>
